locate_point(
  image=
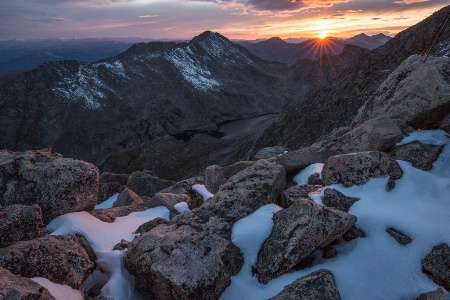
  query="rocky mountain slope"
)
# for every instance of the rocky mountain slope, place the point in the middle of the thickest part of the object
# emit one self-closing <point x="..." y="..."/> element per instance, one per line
<point x="337" y="103"/>
<point x="368" y="42"/>
<point x="152" y="90"/>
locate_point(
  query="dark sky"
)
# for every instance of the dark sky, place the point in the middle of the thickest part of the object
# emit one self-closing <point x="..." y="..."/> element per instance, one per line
<point x="183" y="19"/>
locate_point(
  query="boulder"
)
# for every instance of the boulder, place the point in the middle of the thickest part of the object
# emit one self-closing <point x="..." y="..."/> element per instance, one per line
<point x="318" y="285"/>
<point x="168" y="200"/>
<point x="315" y="179"/>
<point x="295" y="193"/>
<point x="295" y="161"/>
<point x="65" y="259"/>
<point x="214" y="178"/>
<point x="192" y="256"/>
<point x="107" y="177"/>
<point x="374" y="135"/>
<point x="433" y="295"/>
<point x="421" y="156"/>
<point x="399" y="236"/>
<point x="436" y="265"/>
<point x="335" y="199"/>
<point x="269" y="152"/>
<point x="416" y="92"/>
<point x="231" y="170"/>
<point x="19" y="223"/>
<point x="13" y="287"/>
<point x="126" y="198"/>
<point x="298" y="231"/>
<point x="59" y="185"/>
<point x="150" y="225"/>
<point x="357" y="168"/>
<point x="110" y="214"/>
<point x="146" y="184"/>
<point x="106" y="190"/>
<point x="185" y="187"/>
<point x="353" y="233"/>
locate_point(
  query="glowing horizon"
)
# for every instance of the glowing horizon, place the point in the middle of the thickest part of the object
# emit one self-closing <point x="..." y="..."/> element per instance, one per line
<point x="235" y="19"/>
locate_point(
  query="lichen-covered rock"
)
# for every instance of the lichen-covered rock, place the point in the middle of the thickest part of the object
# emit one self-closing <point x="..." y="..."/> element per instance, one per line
<point x="150" y="225"/>
<point x="437" y="265"/>
<point x="146" y="184"/>
<point x="298" y="231"/>
<point x="358" y="168"/>
<point x="433" y="295"/>
<point x="185" y="187"/>
<point x="126" y="198"/>
<point x="168" y="200"/>
<point x="421" y="156"/>
<point x="373" y="135"/>
<point x="295" y="193"/>
<point x="334" y="198"/>
<point x="214" y="178"/>
<point x="13" y="287"/>
<point x="269" y="152"/>
<point x="315" y="179"/>
<point x="192" y="256"/>
<point x="399" y="236"/>
<point x="59" y="185"/>
<point x="110" y="214"/>
<point x="416" y="92"/>
<point x="233" y="169"/>
<point x="65" y="259"/>
<point x="318" y="285"/>
<point x="19" y="223"/>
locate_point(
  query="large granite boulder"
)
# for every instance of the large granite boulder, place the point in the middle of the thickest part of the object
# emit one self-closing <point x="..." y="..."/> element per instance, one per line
<point x="296" y="192"/>
<point x="297" y="231"/>
<point x="416" y="92"/>
<point x="184" y="187"/>
<point x="357" y="168"/>
<point x="126" y="198"/>
<point x="192" y="257"/>
<point x="59" y="185"/>
<point x="436" y="265"/>
<point x="269" y="152"/>
<point x="13" y="287"/>
<point x="318" y="285"/>
<point x="214" y="178"/>
<point x="421" y="156"/>
<point x="19" y="223"/>
<point x="110" y="214"/>
<point x="146" y="184"/>
<point x="65" y="259"/>
<point x="107" y="177"/>
<point x="374" y="135"/>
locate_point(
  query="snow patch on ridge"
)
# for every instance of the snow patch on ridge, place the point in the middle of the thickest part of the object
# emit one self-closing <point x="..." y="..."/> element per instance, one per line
<point x="191" y="69"/>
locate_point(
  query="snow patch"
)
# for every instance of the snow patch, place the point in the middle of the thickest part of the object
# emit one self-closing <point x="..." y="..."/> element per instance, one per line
<point x="431" y="137"/>
<point x="59" y="291"/>
<point x="302" y="177"/>
<point x="201" y="189"/>
<point x="181" y="207"/>
<point x="108" y="203"/>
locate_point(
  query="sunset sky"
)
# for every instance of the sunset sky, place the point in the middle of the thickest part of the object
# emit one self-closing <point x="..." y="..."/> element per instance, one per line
<point x="183" y="19"/>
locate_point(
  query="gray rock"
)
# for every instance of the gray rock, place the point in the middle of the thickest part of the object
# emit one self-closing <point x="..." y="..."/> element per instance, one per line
<point x="318" y="285"/>
<point x="421" y="156"/>
<point x="416" y="92"/>
<point x="233" y="169"/>
<point x="13" y="287"/>
<point x="315" y="179"/>
<point x="298" y="231"/>
<point x="126" y="198"/>
<point x="295" y="161"/>
<point x="146" y="184"/>
<point x="192" y="257"/>
<point x="123" y="244"/>
<point x="150" y="225"/>
<point x="399" y="236"/>
<point x="334" y="198"/>
<point x="433" y="295"/>
<point x="353" y="233"/>
<point x="269" y="152"/>
<point x="65" y="259"/>
<point x="357" y="168"/>
<point x="185" y="187"/>
<point x="168" y="200"/>
<point x="107" y="177"/>
<point x="106" y="190"/>
<point x="19" y="223"/>
<point x="110" y="214"/>
<point x="374" y="135"/>
<point x="295" y="193"/>
<point x="436" y="265"/>
<point x="59" y="185"/>
<point x="214" y="178"/>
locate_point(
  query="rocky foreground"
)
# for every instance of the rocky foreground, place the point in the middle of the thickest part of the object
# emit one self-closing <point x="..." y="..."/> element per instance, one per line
<point x="192" y="255"/>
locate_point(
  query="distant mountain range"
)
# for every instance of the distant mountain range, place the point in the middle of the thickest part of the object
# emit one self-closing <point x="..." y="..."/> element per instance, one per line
<point x="276" y="49"/>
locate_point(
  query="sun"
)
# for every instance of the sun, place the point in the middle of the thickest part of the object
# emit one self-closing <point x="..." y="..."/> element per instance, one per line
<point x="322" y="35"/>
